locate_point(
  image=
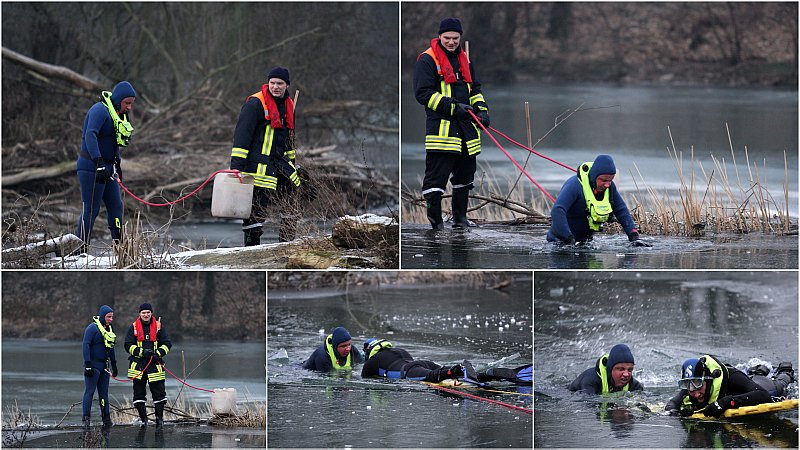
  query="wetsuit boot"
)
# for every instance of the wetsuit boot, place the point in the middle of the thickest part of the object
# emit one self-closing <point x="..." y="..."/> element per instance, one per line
<point x="433" y="203"/>
<point x="160" y="414"/>
<point x="460" y="202"/>
<point x="86" y="422"/>
<point x="445" y="373"/>
<point x="107" y="423"/>
<point x="142" y="409"/>
<point x="252" y="237"/>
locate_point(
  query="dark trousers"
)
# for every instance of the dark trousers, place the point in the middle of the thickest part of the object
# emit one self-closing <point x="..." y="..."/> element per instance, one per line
<point x="421" y="369"/>
<point x="262" y="198"/>
<point x="439" y="166"/>
<point x="98" y="381"/>
<point x="91" y="195"/>
<point x="158" y="390"/>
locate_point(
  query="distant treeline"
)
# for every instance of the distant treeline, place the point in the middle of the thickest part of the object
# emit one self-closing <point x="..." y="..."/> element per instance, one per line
<point x="193" y="305"/>
<point x="705" y="43"/>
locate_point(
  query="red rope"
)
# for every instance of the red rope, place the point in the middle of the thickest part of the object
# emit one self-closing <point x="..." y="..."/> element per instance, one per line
<point x="483" y="399"/>
<point x="478" y="121"/>
<point x="185" y="383"/>
<point x="531" y="150"/>
<point x="210" y="177"/>
<point x="137" y="375"/>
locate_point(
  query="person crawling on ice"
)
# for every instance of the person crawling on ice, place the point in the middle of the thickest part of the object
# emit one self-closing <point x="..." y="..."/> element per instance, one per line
<point x="587" y="201"/>
<point x="337" y="353"/>
<point x="385" y="360"/>
<point x="613" y="372"/>
<point x="710" y="387"/>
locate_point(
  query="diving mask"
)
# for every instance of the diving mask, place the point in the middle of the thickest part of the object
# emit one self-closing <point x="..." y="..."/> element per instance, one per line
<point x="691" y="384"/>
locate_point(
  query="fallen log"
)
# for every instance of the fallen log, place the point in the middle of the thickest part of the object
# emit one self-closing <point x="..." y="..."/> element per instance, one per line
<point x="51" y="70"/>
<point x="40" y="173"/>
<point x="61" y="246"/>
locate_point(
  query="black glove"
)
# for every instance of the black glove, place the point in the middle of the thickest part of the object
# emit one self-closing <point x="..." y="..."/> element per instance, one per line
<point x="102" y="174"/>
<point x="88" y="372"/>
<point x="147" y="353"/>
<point x="118" y="167"/>
<point x="461" y="111"/>
<point x="636" y="242"/>
<point x="114" y="370"/>
<point x="484" y="116"/>
<point x="715" y="409"/>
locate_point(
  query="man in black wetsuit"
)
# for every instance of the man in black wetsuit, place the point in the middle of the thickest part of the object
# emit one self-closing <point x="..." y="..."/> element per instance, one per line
<point x="613" y="372"/>
<point x="386" y="361"/>
<point x="709" y="386"/>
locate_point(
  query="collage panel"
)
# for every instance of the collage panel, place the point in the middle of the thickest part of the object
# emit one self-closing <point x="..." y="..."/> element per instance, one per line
<point x="665" y="359"/>
<point x="207" y="135"/>
<point x="135" y="359"/>
<point x="399" y="359"/>
<point x="599" y="135"/>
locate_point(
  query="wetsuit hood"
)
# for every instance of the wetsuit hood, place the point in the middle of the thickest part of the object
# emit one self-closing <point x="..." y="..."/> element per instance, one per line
<point x="105" y="309"/>
<point x="603" y="164"/>
<point x="339" y="335"/>
<point x="121" y="91"/>
<point x="619" y="353"/>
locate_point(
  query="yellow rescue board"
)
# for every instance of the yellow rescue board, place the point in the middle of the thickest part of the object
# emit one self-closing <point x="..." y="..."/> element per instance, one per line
<point x="451" y="382"/>
<point x="755" y="409"/>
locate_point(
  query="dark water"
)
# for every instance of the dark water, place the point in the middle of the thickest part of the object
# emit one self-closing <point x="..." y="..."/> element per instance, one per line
<point x="46" y="377"/>
<point x="635" y="134"/>
<point x="744" y="318"/>
<point x="525" y="247"/>
<point x="443" y="323"/>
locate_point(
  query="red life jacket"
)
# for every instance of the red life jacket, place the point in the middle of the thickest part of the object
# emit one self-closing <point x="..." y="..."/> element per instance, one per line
<point x="443" y="66"/>
<point x="138" y="330"/>
<point x="271" y="113"/>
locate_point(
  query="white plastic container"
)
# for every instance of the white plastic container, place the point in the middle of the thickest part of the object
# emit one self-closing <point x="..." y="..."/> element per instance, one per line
<point x="231" y="197"/>
<point x="223" y="401"/>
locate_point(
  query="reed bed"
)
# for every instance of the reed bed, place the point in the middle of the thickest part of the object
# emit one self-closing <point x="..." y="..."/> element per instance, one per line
<point x="728" y="203"/>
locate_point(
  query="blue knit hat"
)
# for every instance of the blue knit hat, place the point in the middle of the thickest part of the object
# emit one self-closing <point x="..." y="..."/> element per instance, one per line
<point x="450" y="24"/>
<point x="340" y="335"/>
<point x="121" y="91"/>
<point x="602" y="165"/>
<point x="280" y="72"/>
<point x="618" y="354"/>
<point x="105" y="309"/>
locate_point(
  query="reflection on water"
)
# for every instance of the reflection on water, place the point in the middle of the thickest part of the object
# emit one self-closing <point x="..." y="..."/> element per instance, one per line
<point x="744" y="318"/>
<point x="525" y="247"/>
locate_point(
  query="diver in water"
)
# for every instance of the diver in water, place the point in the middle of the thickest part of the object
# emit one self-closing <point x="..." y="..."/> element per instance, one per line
<point x="385" y="360"/>
<point x="709" y="386"/>
<point x="613" y="372"/>
<point x="337" y="353"/>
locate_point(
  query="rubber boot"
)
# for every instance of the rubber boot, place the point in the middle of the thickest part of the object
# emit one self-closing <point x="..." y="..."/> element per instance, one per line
<point x="107" y="423"/>
<point x="252" y="237"/>
<point x="433" y="204"/>
<point x="142" y="409"/>
<point x="160" y="414"/>
<point x="498" y="373"/>
<point x="288" y="228"/>
<point x="87" y="422"/>
<point x="460" y="202"/>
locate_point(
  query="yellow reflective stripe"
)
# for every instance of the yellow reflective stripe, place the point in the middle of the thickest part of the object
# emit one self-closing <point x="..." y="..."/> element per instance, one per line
<point x="261" y="169"/>
<point x="290" y="154"/>
<point x="269" y="134"/>
<point x="237" y="152"/>
<point x="164" y="350"/>
<point x="434" y="101"/>
<point x="476" y="98"/>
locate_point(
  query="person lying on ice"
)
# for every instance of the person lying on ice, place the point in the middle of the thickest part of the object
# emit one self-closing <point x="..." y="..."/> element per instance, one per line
<point x="336" y="353"/>
<point x="385" y="360"/>
<point x="587" y="201"/>
<point x="709" y="386"/>
<point x="616" y="366"/>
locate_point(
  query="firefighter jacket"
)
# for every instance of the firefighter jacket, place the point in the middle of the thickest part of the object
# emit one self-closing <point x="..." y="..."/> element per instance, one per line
<point x="262" y="147"/>
<point x="443" y="132"/>
<point x="141" y="337"/>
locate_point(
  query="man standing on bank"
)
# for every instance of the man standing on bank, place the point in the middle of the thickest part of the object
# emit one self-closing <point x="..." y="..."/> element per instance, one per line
<point x="264" y="147"/>
<point x="445" y="83"/>
<point x="147" y="342"/>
